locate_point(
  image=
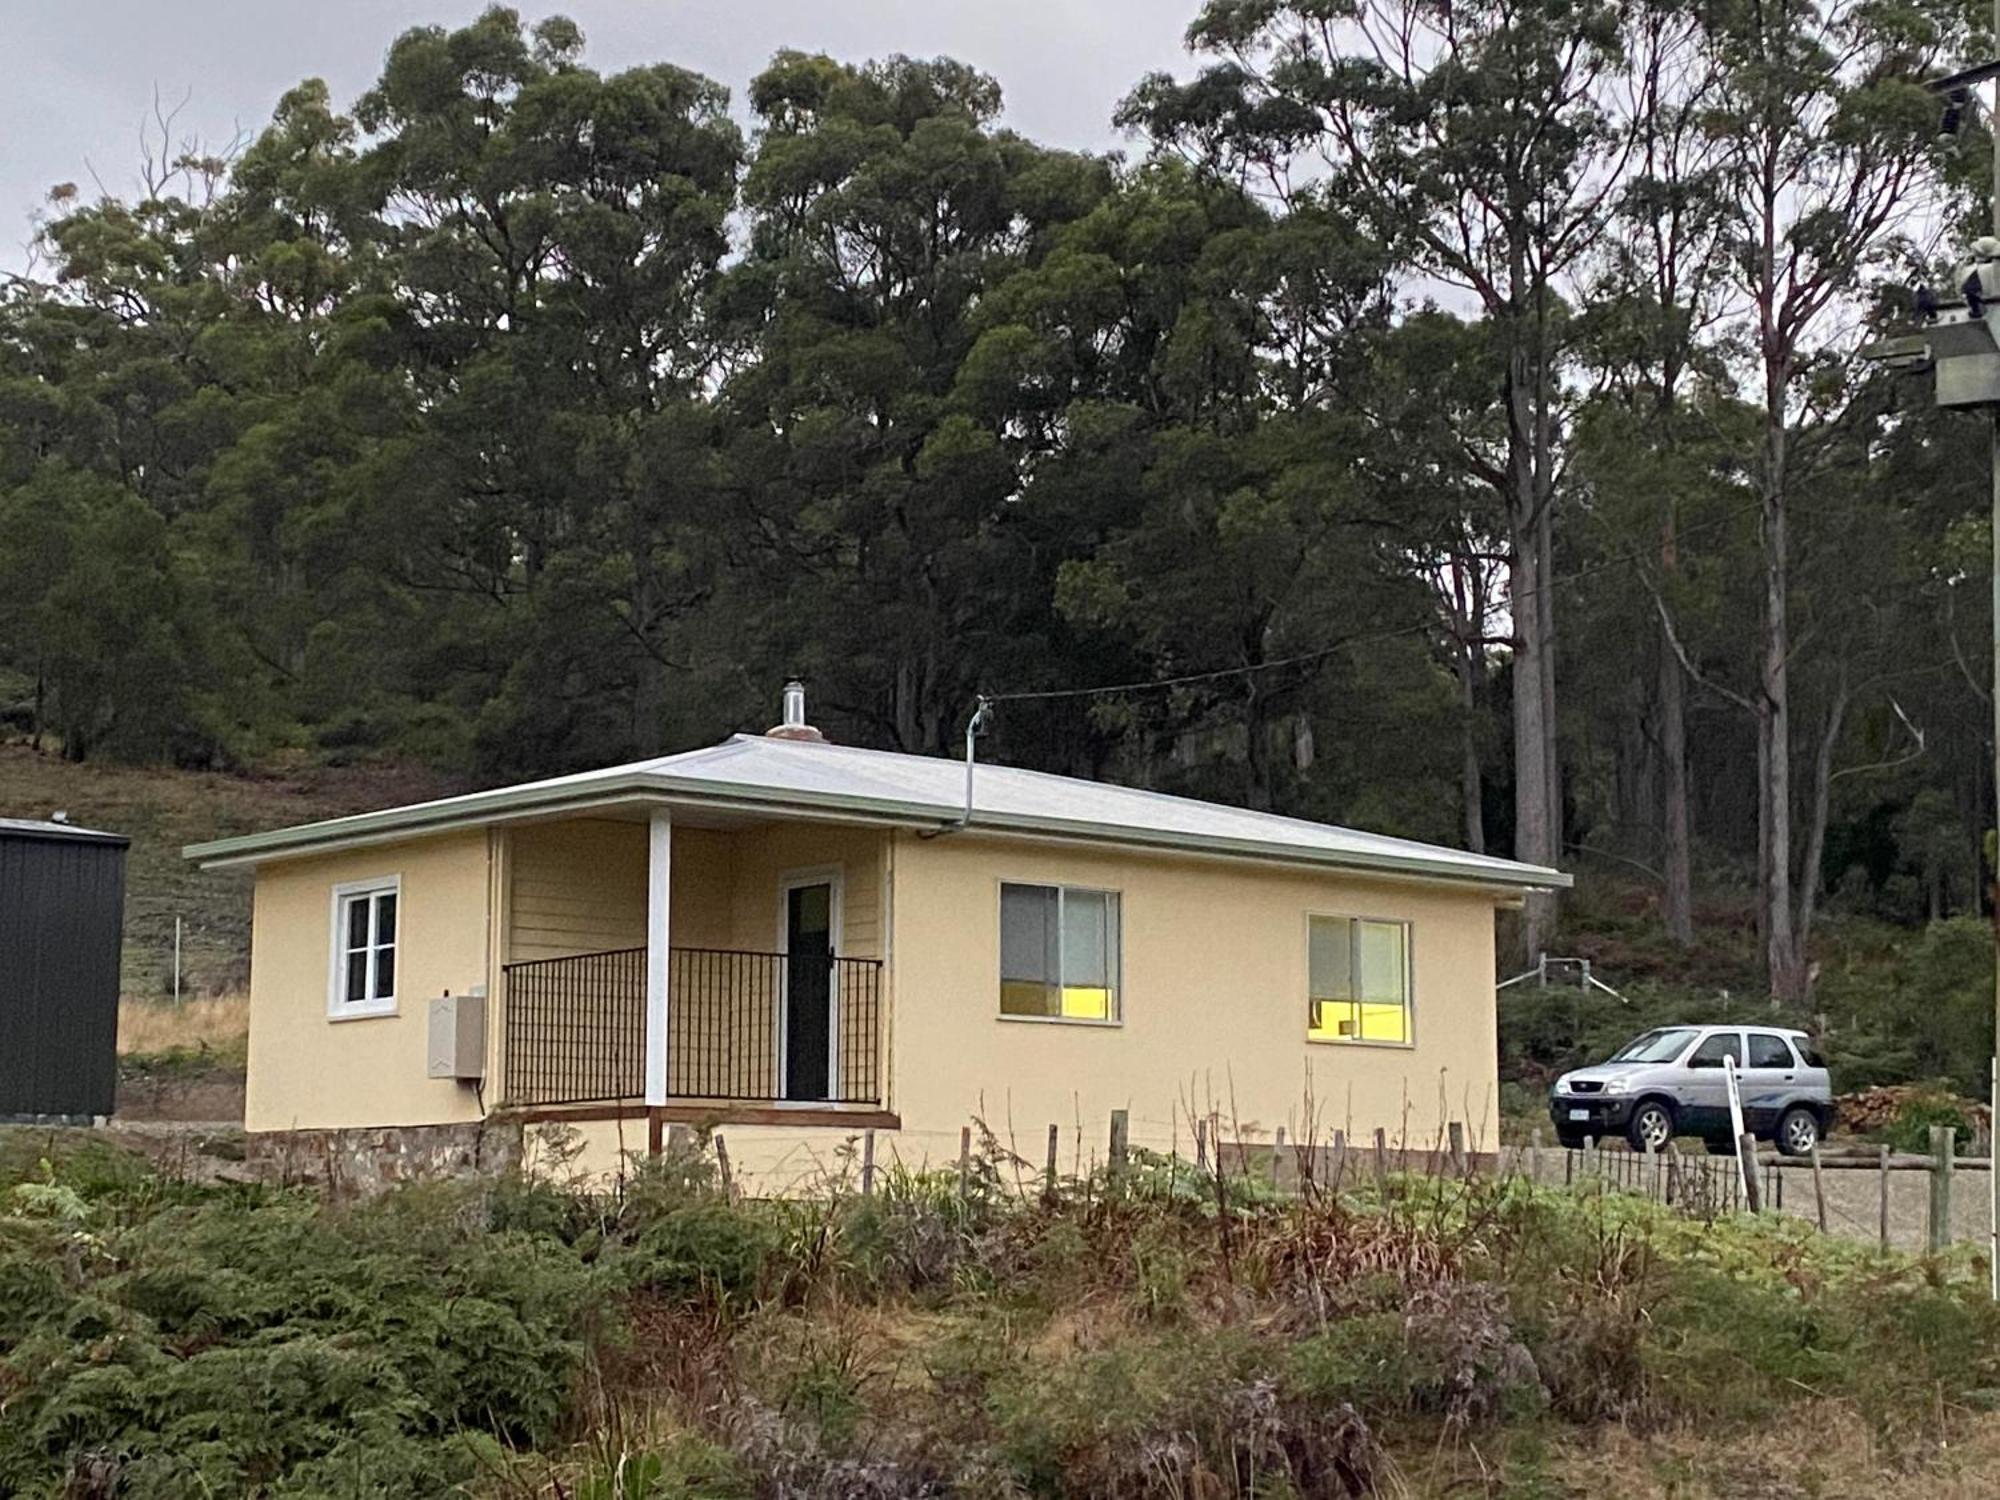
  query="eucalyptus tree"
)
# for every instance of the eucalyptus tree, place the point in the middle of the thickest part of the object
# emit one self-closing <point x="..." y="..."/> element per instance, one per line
<point x="1656" y="291"/>
<point x="878" y="516"/>
<point x="126" y="372"/>
<point x="1441" y="451"/>
<point x="550" y="238"/>
<point x="1486" y="140"/>
<point x="1828" y="154"/>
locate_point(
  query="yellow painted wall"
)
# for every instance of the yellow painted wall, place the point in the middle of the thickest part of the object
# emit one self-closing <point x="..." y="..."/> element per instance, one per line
<point x="307" y="1071"/>
<point x="1213" y="981"/>
<point x="1214" y="1005"/>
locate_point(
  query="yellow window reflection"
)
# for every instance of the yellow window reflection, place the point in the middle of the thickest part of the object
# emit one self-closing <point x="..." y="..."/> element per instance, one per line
<point x="1359" y="980"/>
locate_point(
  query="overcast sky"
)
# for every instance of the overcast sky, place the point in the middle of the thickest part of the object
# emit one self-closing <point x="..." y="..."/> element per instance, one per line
<point x="81" y="73"/>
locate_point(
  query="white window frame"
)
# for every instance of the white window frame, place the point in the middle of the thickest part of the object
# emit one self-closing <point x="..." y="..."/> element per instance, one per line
<point x="338" y="1008"/>
<point x="1116" y="966"/>
<point x="1409" y="978"/>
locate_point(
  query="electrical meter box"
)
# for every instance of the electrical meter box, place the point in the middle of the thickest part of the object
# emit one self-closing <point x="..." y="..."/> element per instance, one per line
<point x="458" y="1037"/>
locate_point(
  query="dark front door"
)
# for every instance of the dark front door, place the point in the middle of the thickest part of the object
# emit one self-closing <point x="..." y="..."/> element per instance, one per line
<point x="808" y="990"/>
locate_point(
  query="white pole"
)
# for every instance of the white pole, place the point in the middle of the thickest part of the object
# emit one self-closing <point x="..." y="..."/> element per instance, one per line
<point x="659" y="882"/>
<point x="1736" y="1123"/>
<point x="1993" y="444"/>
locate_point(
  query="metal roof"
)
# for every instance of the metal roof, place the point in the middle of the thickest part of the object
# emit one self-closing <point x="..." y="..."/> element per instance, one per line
<point x="759" y="773"/>
<point x="28" y="828"/>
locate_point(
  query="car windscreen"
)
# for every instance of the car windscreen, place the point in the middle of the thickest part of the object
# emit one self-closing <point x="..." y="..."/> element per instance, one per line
<point x="1655" y="1046"/>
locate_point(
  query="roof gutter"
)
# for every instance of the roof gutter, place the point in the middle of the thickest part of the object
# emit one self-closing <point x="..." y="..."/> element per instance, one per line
<point x="511" y="805"/>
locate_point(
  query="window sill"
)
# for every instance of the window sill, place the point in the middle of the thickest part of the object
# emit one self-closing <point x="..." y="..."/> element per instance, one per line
<point x="1357" y="1041"/>
<point x="373" y="1010"/>
<point x="1063" y="1021"/>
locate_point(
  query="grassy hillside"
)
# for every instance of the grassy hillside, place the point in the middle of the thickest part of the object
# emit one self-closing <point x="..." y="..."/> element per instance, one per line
<point x="1146" y="1338"/>
<point x="162" y="810"/>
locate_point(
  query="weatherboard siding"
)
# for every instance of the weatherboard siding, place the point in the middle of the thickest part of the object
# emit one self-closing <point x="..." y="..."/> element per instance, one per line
<point x="578" y="887"/>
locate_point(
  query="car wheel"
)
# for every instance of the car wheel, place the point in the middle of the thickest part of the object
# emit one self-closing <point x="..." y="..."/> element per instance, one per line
<point x="1718" y="1146"/>
<point x="1798" y="1132"/>
<point x="1651" y="1127"/>
<point x="1570" y="1140"/>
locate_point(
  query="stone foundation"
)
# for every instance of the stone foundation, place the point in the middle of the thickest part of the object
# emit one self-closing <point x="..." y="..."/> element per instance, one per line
<point x="341" y="1163"/>
<point x="364" y="1162"/>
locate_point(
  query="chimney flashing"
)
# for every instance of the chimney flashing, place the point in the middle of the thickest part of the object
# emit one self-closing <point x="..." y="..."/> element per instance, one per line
<point x="793" y="725"/>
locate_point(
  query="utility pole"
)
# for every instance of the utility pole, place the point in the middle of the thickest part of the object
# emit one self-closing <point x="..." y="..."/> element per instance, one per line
<point x="1993" y="445"/>
<point x="1961" y="347"/>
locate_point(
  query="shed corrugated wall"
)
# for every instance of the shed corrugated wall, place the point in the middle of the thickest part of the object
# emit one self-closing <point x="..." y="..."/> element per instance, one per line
<point x="62" y="899"/>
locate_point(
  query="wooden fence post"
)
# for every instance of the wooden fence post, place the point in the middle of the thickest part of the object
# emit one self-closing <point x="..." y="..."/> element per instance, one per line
<point x="1455" y="1132"/>
<point x="964" y="1162"/>
<point x="1943" y="1138"/>
<point x="868" y="1163"/>
<point x="722" y="1166"/>
<point x="1049" y="1171"/>
<point x="1119" y="1137"/>
<point x="1339" y="1159"/>
<point x="1381" y="1157"/>
<point x="1535" y="1154"/>
<point x="1882" y="1172"/>
<point x="1201" y="1145"/>
<point x="1278" y="1172"/>
<point x="1746" y="1150"/>
<point x="1819" y="1188"/>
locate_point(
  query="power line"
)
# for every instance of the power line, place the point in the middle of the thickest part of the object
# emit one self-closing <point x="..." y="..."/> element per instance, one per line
<point x="1307" y="658"/>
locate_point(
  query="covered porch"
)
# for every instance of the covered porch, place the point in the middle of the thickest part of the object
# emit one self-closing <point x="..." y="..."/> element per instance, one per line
<point x="695" y="964"/>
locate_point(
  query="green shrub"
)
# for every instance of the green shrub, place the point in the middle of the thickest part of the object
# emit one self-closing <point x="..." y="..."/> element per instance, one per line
<point x="1362" y="1359"/>
<point x="1911" y="1129"/>
<point x="228" y="1343"/>
<point x="704" y="1247"/>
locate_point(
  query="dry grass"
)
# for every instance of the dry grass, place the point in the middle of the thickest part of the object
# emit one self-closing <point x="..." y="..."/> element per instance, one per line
<point x="1823" y="1452"/>
<point x="218" y="1024"/>
<point x="160" y="811"/>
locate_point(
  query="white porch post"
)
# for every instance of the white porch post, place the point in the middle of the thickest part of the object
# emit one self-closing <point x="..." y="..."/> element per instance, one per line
<point x="659" y="869"/>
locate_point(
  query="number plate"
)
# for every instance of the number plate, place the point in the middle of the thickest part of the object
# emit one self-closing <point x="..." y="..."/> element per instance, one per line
<point x="1579" y="1114"/>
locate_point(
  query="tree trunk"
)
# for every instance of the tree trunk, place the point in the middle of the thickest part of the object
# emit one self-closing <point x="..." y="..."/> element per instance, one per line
<point x="1545" y="607"/>
<point x="1676" y="866"/>
<point x="1783" y="951"/>
<point x="1470" y="793"/>
<point x="1532" y="827"/>
<point x="1676" y="877"/>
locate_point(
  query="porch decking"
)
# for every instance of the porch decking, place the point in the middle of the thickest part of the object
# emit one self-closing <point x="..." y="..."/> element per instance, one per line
<point x="574" y="1028"/>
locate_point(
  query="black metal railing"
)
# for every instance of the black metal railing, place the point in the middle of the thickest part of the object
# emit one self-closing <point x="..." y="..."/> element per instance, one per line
<point x="741" y="1026"/>
<point x="575" y="1028"/>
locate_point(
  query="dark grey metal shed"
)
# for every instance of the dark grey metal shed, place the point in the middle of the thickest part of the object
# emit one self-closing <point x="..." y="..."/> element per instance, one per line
<point x="62" y="906"/>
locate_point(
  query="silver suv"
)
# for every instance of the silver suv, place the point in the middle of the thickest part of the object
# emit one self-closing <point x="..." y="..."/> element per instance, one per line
<point x="1671" y="1082"/>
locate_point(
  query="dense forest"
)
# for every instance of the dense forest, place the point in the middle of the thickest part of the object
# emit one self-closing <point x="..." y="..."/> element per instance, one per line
<point x="1444" y="418"/>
